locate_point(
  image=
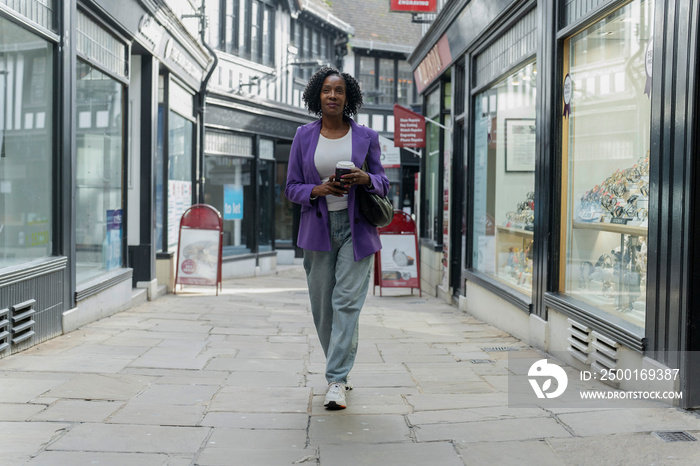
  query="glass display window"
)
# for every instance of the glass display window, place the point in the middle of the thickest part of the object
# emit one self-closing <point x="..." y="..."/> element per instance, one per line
<point x="26" y="145"/>
<point x="605" y="179"/>
<point x="230" y="190"/>
<point x="432" y="168"/>
<point x="504" y="179"/>
<point x="180" y="140"/>
<point x="266" y="191"/>
<point x="99" y="168"/>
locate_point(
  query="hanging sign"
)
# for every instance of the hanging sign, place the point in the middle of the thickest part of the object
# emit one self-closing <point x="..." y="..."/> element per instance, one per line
<point x="414" y="6"/>
<point x="648" y="61"/>
<point x="391" y="155"/>
<point x="409" y="128"/>
<point x="199" y="247"/>
<point x="568" y="92"/>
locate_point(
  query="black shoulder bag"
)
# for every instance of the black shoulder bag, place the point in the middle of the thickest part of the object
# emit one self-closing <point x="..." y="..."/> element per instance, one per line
<point x="378" y="210"/>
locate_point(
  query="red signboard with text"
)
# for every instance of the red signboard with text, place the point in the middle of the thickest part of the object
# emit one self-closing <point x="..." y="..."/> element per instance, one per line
<point x="414" y="6"/>
<point x="409" y="128"/>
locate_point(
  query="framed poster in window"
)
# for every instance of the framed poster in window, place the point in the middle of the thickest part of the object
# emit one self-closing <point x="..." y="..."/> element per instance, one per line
<point x="520" y="144"/>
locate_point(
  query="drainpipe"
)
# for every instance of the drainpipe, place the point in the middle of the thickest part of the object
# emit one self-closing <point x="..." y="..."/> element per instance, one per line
<point x="203" y="96"/>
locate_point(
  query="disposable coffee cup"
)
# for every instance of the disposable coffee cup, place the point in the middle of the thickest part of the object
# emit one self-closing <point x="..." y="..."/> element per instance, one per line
<point x="343" y="168"/>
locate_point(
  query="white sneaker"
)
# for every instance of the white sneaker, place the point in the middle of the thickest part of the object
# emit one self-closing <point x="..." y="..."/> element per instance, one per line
<point x="335" y="396"/>
<point x="348" y="384"/>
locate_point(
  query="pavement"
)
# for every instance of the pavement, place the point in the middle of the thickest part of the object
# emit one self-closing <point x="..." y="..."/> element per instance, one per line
<point x="237" y="379"/>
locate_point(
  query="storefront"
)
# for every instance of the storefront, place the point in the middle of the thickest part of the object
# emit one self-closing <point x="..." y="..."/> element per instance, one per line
<point x="33" y="264"/>
<point x="78" y="156"/>
<point x="570" y="181"/>
<point x="244" y="173"/>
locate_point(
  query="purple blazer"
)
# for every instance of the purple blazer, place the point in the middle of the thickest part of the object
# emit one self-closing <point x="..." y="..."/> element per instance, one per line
<point x="302" y="176"/>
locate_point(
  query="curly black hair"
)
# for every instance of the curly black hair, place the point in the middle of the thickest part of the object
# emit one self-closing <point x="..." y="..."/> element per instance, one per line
<point x="312" y="93"/>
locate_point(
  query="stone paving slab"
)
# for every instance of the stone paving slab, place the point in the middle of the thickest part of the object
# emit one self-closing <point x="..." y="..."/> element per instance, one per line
<point x="359" y="429"/>
<point x="270" y="399"/>
<point x="492" y="431"/>
<point x="22" y="439"/>
<point x="158" y="415"/>
<point x="518" y="453"/>
<point x="256" y="439"/>
<point x="70" y="458"/>
<point x="265" y="379"/>
<point x="363" y="402"/>
<point x="22" y="390"/>
<point x="626" y="449"/>
<point x="102" y="387"/>
<point x="131" y="439"/>
<point x="277" y="421"/>
<point x="248" y="457"/>
<point x="186" y="395"/>
<point x="16" y="412"/>
<point x="76" y="364"/>
<point x="78" y="411"/>
<point x="610" y="422"/>
<point x="490" y="413"/>
<point x="434" y="453"/>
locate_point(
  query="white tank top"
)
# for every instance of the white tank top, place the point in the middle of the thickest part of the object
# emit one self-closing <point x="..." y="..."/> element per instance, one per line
<point x="328" y="153"/>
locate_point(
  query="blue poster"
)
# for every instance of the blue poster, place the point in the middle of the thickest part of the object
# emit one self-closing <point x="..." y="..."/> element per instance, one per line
<point x="233" y="202"/>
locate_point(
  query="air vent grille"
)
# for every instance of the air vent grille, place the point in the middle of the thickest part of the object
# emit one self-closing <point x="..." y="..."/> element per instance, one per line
<point x="579" y="341"/>
<point x="4" y="329"/>
<point x="604" y="355"/>
<point x="22" y="321"/>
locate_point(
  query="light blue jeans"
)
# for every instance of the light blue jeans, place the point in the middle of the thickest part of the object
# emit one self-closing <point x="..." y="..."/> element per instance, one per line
<point x="337" y="289"/>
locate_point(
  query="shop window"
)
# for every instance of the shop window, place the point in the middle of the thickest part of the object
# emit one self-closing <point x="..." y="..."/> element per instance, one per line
<point x="99" y="168"/>
<point x="26" y="145"/>
<point x="284" y="221"/>
<point x="266" y="180"/>
<point x="387" y="84"/>
<point x="605" y="149"/>
<point x="405" y="87"/>
<point x="433" y="173"/>
<point x="180" y="135"/>
<point x="367" y="77"/>
<point x="266" y="187"/>
<point x="229" y="189"/>
<point x="504" y="179"/>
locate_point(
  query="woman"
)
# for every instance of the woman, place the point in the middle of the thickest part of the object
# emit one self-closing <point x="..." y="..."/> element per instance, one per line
<point x="338" y="241"/>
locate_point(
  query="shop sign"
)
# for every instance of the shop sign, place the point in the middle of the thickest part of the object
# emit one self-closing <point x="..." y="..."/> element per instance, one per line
<point x="414" y="6"/>
<point x="391" y="155"/>
<point x="150" y="31"/>
<point x="233" y="202"/>
<point x="433" y="64"/>
<point x="175" y="55"/>
<point x="409" y="128"/>
<point x="568" y="93"/>
<point x="648" y="63"/>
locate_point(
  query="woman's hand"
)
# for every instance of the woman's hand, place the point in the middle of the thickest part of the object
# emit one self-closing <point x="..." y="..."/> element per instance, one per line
<point x="329" y="188"/>
<point x="356" y="176"/>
